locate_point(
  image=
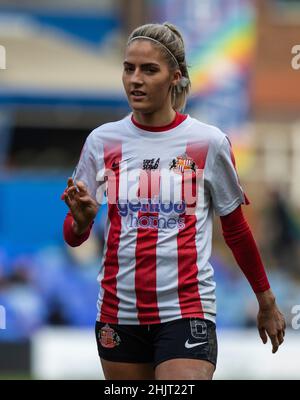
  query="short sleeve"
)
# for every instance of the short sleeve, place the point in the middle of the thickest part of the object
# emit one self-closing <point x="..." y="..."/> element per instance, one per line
<point x="224" y="185"/>
<point x="89" y="167"/>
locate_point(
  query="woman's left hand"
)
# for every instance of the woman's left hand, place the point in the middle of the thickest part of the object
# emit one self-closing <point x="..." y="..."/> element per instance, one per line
<point x="271" y="322"/>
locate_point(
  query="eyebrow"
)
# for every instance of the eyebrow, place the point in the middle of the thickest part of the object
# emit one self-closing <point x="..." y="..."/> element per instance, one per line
<point x="142" y="65"/>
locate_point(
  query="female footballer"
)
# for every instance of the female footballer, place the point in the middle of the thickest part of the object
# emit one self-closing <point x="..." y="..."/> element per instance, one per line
<point x="164" y="174"/>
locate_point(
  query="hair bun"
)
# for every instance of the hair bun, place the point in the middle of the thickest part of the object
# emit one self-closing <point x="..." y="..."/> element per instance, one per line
<point x="174" y="30"/>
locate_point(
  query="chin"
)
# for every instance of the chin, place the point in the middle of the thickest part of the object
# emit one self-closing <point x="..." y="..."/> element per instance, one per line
<point x="142" y="108"/>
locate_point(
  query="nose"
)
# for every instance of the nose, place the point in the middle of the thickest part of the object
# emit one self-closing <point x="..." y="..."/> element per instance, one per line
<point x="137" y="77"/>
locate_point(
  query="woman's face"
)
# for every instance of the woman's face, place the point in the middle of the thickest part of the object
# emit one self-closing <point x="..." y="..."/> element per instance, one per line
<point x="147" y="78"/>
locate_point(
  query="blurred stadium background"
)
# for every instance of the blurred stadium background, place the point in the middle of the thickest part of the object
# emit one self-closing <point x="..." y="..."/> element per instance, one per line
<point x="62" y="78"/>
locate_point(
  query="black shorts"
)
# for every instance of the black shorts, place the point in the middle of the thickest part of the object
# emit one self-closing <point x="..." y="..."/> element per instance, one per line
<point x="181" y="338"/>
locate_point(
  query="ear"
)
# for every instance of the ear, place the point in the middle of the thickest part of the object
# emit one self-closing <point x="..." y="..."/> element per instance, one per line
<point x="177" y="75"/>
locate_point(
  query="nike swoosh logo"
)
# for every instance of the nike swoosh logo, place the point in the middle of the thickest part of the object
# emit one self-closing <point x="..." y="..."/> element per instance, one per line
<point x="191" y="345"/>
<point x="116" y="164"/>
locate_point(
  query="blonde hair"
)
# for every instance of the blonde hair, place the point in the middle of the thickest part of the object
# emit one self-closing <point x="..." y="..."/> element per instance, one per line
<point x="168" y="38"/>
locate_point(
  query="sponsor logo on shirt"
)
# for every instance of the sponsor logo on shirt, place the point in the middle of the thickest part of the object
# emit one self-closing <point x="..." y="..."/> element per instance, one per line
<point x="155" y="222"/>
<point x="150" y="207"/>
<point x="151" y="164"/>
<point x="182" y="163"/>
<point x="178" y="185"/>
<point x="164" y="215"/>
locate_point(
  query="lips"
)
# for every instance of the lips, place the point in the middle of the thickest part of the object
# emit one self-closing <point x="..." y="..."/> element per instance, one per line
<point x="137" y="93"/>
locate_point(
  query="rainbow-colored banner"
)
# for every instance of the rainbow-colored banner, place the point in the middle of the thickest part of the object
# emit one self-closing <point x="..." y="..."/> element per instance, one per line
<point x="220" y="38"/>
<point x="227" y="55"/>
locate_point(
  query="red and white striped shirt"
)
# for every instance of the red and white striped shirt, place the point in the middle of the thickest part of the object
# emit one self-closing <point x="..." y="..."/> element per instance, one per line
<point x="155" y="265"/>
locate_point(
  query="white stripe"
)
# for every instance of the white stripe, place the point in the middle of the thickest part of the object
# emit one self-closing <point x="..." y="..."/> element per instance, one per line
<point x="167" y="273"/>
<point x="206" y="285"/>
<point x="126" y="257"/>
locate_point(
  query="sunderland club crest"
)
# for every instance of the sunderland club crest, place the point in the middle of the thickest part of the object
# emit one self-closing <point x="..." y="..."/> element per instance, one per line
<point x="108" y="337"/>
<point x="182" y="163"/>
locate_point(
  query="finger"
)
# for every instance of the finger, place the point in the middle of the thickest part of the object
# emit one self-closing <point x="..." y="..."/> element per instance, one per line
<point x="87" y="200"/>
<point x="71" y="192"/>
<point x="275" y="343"/>
<point x="69" y="185"/>
<point x="280" y="337"/>
<point x="70" y="182"/>
<point x="81" y="187"/>
<point x="263" y="335"/>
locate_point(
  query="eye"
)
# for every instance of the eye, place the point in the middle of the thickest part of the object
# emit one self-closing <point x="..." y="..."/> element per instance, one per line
<point x="128" y="68"/>
<point x="151" y="70"/>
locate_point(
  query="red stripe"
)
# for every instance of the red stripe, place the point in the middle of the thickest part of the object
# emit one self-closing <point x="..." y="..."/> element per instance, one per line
<point x="198" y="152"/>
<point x="188" y="293"/>
<point x="145" y="269"/>
<point x="109" y="309"/>
<point x="179" y="118"/>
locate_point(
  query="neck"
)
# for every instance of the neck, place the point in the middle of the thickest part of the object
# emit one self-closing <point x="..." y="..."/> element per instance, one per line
<point x="156" y="118"/>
